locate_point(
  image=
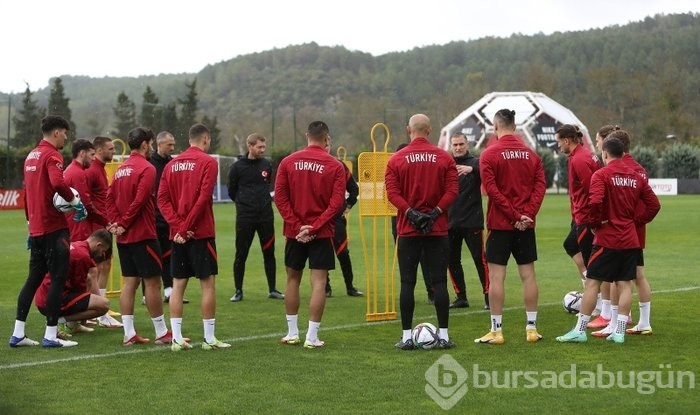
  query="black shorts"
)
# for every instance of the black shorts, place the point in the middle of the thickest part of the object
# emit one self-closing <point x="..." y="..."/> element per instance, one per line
<point x="501" y="244"/>
<point x="570" y="243"/>
<point x="612" y="265"/>
<point x="319" y="252"/>
<point x="140" y="259"/>
<point x="195" y="258"/>
<point x="584" y="239"/>
<point x="640" y="258"/>
<point x="72" y="303"/>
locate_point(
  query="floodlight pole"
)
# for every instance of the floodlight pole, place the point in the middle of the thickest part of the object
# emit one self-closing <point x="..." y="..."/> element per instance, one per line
<point x="7" y="164"/>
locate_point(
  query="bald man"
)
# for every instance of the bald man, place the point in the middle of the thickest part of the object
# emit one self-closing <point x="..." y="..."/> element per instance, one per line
<point x="421" y="181"/>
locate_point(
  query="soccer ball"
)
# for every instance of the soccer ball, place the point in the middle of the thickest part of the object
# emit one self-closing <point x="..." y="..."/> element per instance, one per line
<point x="572" y="302"/>
<point x="425" y="336"/>
<point x="61" y="204"/>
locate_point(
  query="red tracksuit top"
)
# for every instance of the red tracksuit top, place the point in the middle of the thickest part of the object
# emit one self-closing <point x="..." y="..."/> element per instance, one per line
<point x="310" y="190"/>
<point x="43" y="176"/>
<point x="421" y="176"/>
<point x="96" y="177"/>
<point x="78" y="266"/>
<point x="582" y="164"/>
<point x="75" y="177"/>
<point x="185" y="196"/>
<point x="131" y="200"/>
<point x="513" y="176"/>
<point x="632" y="163"/>
<point x="615" y="195"/>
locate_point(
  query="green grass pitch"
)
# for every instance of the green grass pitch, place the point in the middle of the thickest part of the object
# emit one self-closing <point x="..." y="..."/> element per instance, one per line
<point x="359" y="371"/>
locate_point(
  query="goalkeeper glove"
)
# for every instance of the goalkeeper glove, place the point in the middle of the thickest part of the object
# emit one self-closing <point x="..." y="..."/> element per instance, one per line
<point x="80" y="211"/>
<point x="432" y="217"/>
<point x="417" y="219"/>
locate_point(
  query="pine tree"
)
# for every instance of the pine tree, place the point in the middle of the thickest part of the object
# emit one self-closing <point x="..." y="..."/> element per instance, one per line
<point x="151" y="111"/>
<point x="188" y="113"/>
<point x="214" y="131"/>
<point x="28" y="121"/>
<point x="58" y="105"/>
<point x="125" y="111"/>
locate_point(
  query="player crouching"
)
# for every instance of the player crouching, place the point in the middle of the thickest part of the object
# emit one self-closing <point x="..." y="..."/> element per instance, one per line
<point x="77" y="303"/>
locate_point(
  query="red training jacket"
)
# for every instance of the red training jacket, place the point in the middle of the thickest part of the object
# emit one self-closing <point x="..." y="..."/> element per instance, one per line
<point x="131" y="200"/>
<point x="421" y="176"/>
<point x="43" y="176"/>
<point x="582" y="164"/>
<point x="615" y="193"/>
<point x="96" y="177"/>
<point x="513" y="176"/>
<point x="185" y="196"/>
<point x="79" y="264"/>
<point x="632" y="163"/>
<point x="310" y="190"/>
<point x="74" y="175"/>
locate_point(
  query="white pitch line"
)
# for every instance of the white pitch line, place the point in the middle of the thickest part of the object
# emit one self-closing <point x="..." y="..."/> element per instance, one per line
<point x="277" y="334"/>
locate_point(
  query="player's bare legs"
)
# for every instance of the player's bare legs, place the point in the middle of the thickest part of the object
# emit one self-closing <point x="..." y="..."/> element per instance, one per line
<point x="318" y="294"/>
<point x="291" y="305"/>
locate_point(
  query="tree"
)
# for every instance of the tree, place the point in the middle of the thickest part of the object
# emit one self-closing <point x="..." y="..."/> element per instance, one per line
<point x="58" y="105"/>
<point x="28" y="121"/>
<point x="214" y="131"/>
<point x="151" y="111"/>
<point x="125" y="111"/>
<point x="188" y="111"/>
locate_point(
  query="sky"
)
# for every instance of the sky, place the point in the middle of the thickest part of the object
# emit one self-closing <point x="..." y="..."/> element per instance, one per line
<point x="45" y="39"/>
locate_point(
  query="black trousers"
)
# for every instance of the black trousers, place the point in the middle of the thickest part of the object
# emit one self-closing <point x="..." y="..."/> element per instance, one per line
<point x="433" y="252"/>
<point x="474" y="238"/>
<point x="49" y="254"/>
<point x="245" y="232"/>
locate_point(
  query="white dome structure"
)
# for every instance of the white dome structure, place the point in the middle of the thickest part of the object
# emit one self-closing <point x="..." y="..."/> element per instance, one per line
<point x="537" y="118"/>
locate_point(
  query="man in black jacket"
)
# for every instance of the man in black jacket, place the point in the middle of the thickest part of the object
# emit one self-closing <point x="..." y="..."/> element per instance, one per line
<point x="466" y="222"/>
<point x="340" y="238"/>
<point x="165" y="146"/>
<point x="249" y="184"/>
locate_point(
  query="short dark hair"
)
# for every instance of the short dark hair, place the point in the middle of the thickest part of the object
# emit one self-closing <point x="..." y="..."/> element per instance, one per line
<point x="607" y="129"/>
<point x="614" y="147"/>
<point x="80" y="145"/>
<point x="623" y="136"/>
<point x="100" y="141"/>
<point x="103" y="235"/>
<point x="505" y="118"/>
<point x="317" y="130"/>
<point x="138" y="135"/>
<point x="198" y="130"/>
<point x="52" y="122"/>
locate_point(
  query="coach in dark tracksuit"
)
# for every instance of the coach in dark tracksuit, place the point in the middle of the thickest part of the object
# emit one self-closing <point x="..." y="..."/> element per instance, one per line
<point x="466" y="222"/>
<point x="249" y="185"/>
<point x="340" y="238"/>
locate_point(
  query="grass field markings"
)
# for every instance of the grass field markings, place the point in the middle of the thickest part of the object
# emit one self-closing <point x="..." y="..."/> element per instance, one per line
<point x="280" y="334"/>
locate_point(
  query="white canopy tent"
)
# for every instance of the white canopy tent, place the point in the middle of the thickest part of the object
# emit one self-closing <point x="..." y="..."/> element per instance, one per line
<point x="537" y="117"/>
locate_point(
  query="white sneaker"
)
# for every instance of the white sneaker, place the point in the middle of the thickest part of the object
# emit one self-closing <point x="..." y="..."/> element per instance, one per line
<point x="109" y="322"/>
<point x="58" y="343"/>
